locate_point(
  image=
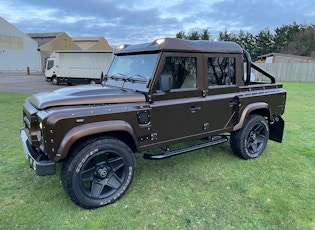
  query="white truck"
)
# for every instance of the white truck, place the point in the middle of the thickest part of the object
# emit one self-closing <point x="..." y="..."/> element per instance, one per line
<point x="77" y="66"/>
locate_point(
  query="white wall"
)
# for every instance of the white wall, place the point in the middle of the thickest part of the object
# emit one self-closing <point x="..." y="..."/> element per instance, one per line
<point x="18" y="59"/>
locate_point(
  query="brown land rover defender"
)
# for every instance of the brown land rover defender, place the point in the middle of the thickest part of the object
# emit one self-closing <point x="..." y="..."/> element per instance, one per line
<point x="155" y="95"/>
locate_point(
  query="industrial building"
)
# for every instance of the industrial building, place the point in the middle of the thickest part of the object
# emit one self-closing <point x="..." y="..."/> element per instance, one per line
<point x="50" y="42"/>
<point x="18" y="52"/>
<point x="23" y="52"/>
<point x="92" y="43"/>
<point x="284" y="58"/>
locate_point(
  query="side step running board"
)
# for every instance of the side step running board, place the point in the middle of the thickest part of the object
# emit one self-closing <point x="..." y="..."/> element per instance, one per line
<point x="175" y="152"/>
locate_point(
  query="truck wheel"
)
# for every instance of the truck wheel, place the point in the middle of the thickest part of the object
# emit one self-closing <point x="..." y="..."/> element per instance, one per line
<point x="54" y="81"/>
<point x="98" y="172"/>
<point x="250" y="141"/>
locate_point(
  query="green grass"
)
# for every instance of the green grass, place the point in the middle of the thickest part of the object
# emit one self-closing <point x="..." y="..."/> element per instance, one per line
<point x="206" y="189"/>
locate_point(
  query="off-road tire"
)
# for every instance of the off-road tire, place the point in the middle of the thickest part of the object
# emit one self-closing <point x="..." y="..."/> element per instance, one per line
<point x="250" y="141"/>
<point x="98" y="172"/>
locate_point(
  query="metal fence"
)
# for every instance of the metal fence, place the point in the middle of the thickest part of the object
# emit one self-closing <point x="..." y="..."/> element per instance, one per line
<point x="299" y="72"/>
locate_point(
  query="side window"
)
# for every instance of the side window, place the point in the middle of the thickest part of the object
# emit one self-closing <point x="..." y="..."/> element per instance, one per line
<point x="50" y="64"/>
<point x="183" y="71"/>
<point x="221" y="71"/>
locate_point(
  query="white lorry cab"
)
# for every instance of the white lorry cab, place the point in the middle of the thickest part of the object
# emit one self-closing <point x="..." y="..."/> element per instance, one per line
<point x="77" y="66"/>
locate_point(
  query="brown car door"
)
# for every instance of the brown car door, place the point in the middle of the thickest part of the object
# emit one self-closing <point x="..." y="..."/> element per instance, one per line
<point x="178" y="114"/>
<point x="221" y="103"/>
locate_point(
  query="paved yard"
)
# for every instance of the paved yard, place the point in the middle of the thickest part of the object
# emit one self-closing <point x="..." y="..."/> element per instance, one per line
<point x="22" y="83"/>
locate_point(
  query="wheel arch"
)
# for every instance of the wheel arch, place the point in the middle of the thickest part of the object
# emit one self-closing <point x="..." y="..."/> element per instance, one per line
<point x="259" y="108"/>
<point x="118" y="129"/>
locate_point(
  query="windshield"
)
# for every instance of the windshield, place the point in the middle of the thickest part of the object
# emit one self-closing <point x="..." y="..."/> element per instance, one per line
<point x="132" y="71"/>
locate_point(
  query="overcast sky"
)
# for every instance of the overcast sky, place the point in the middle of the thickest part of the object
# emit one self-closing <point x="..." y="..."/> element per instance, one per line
<point x="138" y="21"/>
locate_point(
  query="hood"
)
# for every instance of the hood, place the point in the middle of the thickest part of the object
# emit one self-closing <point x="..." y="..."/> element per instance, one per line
<point x="84" y="95"/>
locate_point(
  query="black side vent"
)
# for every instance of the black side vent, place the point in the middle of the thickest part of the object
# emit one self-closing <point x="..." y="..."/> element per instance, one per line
<point x="143" y="117"/>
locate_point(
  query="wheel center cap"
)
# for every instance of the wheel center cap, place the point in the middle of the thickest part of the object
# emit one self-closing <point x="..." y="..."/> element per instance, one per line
<point x="102" y="173"/>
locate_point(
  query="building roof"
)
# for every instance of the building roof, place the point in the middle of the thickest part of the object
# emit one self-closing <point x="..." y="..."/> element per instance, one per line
<point x="43" y="38"/>
<point x="286" y="57"/>
<point x="61" y="40"/>
<point x="92" y="43"/>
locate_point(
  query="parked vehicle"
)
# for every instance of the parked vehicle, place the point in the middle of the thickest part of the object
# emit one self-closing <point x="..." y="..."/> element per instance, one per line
<point x="155" y="96"/>
<point x="77" y="66"/>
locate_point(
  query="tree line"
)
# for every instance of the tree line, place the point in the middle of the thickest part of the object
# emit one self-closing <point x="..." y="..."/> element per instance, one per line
<point x="295" y="39"/>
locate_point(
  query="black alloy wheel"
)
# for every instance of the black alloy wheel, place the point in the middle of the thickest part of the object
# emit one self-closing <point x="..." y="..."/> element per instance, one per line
<point x="250" y="141"/>
<point x="98" y="173"/>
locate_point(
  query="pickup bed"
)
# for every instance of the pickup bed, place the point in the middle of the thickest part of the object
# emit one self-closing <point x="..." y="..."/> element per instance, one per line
<point x="155" y="96"/>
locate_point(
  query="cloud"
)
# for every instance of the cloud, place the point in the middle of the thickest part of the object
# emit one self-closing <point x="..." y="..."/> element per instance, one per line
<point x="137" y="21"/>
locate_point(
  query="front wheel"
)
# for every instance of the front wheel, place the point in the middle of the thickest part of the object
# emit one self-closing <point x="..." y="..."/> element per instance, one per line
<point x="250" y="141"/>
<point x="98" y="172"/>
<point x="54" y="80"/>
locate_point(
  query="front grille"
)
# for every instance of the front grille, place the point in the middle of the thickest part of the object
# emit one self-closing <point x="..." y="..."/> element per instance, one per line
<point x="31" y="124"/>
<point x="27" y="122"/>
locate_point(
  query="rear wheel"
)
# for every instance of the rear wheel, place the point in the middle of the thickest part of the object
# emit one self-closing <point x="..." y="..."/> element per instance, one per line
<point x="250" y="141"/>
<point x="98" y="172"/>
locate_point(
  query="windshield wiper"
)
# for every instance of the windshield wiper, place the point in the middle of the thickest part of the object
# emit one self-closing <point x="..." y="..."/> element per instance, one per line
<point x="133" y="79"/>
<point x="119" y="76"/>
<point x="137" y="78"/>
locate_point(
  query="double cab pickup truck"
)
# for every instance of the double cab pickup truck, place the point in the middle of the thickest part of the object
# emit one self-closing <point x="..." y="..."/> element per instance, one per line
<point x="158" y="95"/>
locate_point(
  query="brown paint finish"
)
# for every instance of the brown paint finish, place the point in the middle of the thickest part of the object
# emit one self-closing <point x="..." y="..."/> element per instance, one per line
<point x="135" y="110"/>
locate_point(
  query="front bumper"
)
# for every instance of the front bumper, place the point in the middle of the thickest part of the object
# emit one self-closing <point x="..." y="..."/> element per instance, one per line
<point x="35" y="158"/>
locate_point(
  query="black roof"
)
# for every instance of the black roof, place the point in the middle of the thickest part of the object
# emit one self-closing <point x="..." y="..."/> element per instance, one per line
<point x="175" y="44"/>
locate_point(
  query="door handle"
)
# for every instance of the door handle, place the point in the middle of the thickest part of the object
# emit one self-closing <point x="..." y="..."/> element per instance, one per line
<point x="194" y="109"/>
<point x="234" y="103"/>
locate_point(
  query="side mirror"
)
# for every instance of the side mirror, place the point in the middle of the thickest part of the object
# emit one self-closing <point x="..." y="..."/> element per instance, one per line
<point x="103" y="79"/>
<point x="102" y="76"/>
<point x="166" y="82"/>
